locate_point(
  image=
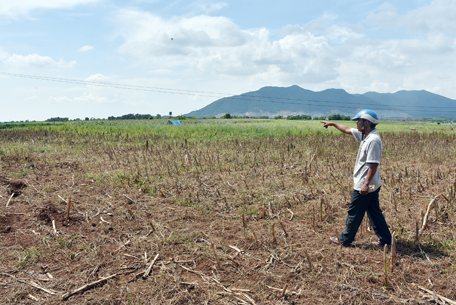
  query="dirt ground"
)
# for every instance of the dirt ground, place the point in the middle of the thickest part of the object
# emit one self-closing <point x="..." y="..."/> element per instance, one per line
<point x="211" y="237"/>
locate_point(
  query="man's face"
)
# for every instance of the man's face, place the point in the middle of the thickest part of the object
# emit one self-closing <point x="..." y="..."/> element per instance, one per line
<point x="359" y="124"/>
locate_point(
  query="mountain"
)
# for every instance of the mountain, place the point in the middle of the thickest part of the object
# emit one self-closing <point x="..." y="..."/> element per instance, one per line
<point x="415" y="103"/>
<point x="272" y="101"/>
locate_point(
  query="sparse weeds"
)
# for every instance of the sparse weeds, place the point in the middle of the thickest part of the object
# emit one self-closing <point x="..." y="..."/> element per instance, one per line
<point x="21" y="174"/>
<point x="241" y="205"/>
<point x="46" y="241"/>
<point x="66" y="242"/>
<point x="445" y="245"/>
<point x="28" y="255"/>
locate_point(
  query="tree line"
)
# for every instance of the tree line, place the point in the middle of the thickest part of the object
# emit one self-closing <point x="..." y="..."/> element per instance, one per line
<point x="137" y="116"/>
<point x="331" y="117"/>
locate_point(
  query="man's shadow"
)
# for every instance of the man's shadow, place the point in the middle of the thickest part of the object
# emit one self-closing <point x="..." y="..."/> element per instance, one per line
<point x="425" y="251"/>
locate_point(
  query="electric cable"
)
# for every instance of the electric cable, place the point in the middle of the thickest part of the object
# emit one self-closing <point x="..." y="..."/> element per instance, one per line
<point x="242" y="97"/>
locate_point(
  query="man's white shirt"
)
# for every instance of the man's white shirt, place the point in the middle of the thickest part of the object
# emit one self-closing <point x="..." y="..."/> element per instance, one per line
<point x="370" y="151"/>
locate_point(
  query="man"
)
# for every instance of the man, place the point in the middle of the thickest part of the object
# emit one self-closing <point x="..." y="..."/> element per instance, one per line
<point x="367" y="180"/>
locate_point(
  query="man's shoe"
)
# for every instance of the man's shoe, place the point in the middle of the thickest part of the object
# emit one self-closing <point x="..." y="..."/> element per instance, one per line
<point x="376" y="244"/>
<point x="379" y="245"/>
<point x="334" y="240"/>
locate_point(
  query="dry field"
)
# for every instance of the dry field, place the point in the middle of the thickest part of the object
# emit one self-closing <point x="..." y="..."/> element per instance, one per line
<point x="155" y="218"/>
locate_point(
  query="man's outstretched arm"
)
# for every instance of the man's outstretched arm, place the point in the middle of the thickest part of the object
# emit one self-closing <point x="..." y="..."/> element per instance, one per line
<point x="343" y="128"/>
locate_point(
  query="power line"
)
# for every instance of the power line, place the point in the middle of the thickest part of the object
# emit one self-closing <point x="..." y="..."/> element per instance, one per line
<point x="242" y="97"/>
<point x="116" y="85"/>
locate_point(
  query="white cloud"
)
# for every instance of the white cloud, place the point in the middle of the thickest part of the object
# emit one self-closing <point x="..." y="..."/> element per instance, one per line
<point x="86" y="48"/>
<point x="389" y="65"/>
<point x="343" y="33"/>
<point x="97" y="78"/>
<point x="86" y="98"/>
<point x="147" y="34"/>
<point x="326" y="26"/>
<point x="215" y="45"/>
<point x="34" y="98"/>
<point x="385" y="15"/>
<point x="392" y="65"/>
<point x="24" y="7"/>
<point x="37" y="61"/>
<point x="438" y="16"/>
<point x="379" y="86"/>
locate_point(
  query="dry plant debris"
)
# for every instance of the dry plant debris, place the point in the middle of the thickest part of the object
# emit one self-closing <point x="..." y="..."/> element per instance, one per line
<point x="153" y="218"/>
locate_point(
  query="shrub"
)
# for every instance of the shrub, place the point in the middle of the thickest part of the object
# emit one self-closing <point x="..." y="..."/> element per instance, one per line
<point x="319" y="118"/>
<point x="338" y="117"/>
<point x="299" y="117"/>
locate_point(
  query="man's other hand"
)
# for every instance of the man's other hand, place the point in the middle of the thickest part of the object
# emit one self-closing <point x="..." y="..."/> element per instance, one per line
<point x="364" y="189"/>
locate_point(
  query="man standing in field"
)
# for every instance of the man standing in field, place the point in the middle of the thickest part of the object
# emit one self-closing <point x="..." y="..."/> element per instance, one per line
<point x="366" y="177"/>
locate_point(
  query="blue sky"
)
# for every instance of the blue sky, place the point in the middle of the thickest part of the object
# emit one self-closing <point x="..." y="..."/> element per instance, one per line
<point x="182" y="55"/>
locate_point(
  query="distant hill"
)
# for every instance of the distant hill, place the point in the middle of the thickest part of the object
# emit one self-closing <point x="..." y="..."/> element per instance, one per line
<point x="272" y="101"/>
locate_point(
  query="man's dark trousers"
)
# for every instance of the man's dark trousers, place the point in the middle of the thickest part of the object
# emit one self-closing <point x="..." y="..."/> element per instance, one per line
<point x="359" y="205"/>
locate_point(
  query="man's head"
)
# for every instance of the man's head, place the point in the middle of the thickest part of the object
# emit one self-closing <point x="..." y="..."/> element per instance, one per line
<point x="366" y="118"/>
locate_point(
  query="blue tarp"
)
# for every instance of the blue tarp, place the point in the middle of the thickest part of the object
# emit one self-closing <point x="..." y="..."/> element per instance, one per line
<point x="176" y="123"/>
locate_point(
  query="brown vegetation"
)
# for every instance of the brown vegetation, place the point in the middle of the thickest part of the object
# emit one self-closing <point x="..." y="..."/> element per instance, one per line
<point x="94" y="219"/>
